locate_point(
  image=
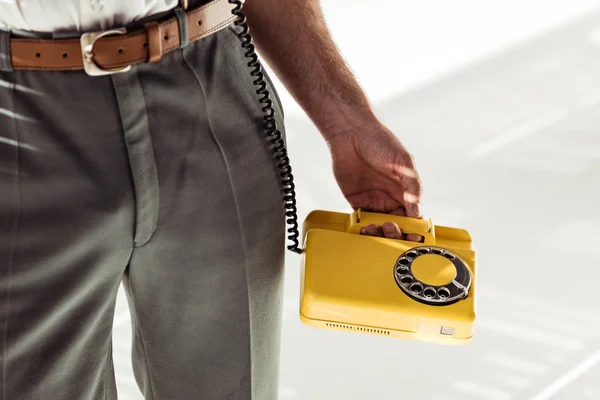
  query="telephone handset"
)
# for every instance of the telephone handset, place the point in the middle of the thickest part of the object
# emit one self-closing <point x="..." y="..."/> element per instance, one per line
<point x="418" y="291"/>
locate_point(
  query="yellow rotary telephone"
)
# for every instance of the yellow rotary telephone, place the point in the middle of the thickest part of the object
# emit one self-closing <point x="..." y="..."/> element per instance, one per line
<point x="419" y="291"/>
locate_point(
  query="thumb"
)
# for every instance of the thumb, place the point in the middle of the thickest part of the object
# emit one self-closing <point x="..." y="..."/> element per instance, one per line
<point x="412" y="200"/>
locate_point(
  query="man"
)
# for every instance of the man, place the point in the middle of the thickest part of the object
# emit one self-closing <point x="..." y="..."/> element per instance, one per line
<point x="161" y="177"/>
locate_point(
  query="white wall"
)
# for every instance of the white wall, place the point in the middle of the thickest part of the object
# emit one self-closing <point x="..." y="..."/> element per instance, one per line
<point x="403" y="43"/>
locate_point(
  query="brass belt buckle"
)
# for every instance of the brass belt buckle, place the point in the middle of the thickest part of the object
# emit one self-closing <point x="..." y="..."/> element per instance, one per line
<point x="87" y="50"/>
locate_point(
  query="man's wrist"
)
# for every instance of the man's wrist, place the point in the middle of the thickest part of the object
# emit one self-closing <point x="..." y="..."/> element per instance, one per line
<point x="346" y="122"/>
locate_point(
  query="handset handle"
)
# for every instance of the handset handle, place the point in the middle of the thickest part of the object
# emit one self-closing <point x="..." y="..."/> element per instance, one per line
<point x="360" y="219"/>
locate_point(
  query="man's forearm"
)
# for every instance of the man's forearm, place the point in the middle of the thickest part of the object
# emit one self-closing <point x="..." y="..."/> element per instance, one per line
<point x="292" y="37"/>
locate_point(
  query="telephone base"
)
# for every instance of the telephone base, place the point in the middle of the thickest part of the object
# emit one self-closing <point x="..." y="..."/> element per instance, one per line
<point x="395" y="288"/>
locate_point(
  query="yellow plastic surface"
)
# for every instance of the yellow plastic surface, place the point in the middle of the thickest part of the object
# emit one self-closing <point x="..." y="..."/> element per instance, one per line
<point x="433" y="270"/>
<point x="347" y="279"/>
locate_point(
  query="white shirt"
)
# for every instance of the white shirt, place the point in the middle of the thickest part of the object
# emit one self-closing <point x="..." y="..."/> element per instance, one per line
<point x="76" y="15"/>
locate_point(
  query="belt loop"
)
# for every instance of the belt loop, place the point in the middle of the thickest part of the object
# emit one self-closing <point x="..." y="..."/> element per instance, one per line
<point x="154" y="41"/>
<point x="65" y="35"/>
<point x="5" y="55"/>
<point x="184" y="37"/>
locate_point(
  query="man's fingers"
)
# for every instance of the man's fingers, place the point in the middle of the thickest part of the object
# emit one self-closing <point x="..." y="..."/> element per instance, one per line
<point x="389" y="230"/>
<point x="414" y="238"/>
<point x="412" y="190"/>
<point x="372" y="230"/>
<point x="407" y="193"/>
<point x="412" y="198"/>
<point x="392" y="231"/>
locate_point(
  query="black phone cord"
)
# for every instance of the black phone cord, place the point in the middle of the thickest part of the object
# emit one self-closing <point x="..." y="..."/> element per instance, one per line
<point x="270" y="126"/>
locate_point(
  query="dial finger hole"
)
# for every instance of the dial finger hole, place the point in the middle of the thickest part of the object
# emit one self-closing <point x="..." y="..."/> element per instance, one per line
<point x="443" y="293"/>
<point x="403" y="261"/>
<point x="449" y="256"/>
<point x="423" y="250"/>
<point x="429" y="293"/>
<point x="412" y="254"/>
<point x="406" y="279"/>
<point x="416" y="288"/>
<point x="436" y="251"/>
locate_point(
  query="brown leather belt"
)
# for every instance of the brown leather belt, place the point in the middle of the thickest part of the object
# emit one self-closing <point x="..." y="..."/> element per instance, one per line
<point x="111" y="51"/>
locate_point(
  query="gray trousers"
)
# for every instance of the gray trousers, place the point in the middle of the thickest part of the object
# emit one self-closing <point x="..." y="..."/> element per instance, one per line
<point x="160" y="178"/>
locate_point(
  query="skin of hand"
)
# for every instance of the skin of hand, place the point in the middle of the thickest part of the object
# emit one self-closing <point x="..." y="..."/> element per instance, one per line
<point x="371" y="166"/>
<point x="376" y="173"/>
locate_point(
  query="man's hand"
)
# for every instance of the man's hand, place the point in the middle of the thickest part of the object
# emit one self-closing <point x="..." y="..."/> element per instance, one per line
<point x="376" y="173"/>
<point x="373" y="169"/>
